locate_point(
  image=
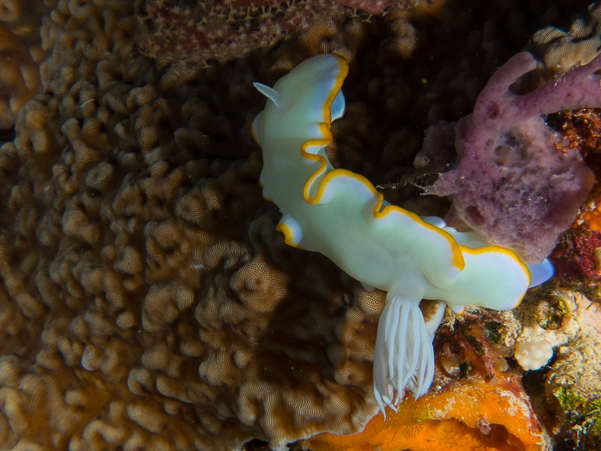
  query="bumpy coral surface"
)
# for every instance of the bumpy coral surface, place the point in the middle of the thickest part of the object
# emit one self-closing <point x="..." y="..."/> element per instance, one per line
<point x="222" y="30"/>
<point x="21" y="55"/>
<point x="218" y="30"/>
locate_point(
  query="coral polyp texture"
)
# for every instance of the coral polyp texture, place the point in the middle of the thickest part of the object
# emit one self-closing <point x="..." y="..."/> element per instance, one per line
<point x="225" y="29"/>
<point x="516" y="180"/>
<point x="21" y="54"/>
<point x="207" y="32"/>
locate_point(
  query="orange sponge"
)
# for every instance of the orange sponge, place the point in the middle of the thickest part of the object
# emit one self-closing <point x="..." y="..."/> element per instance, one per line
<point x="593" y="218"/>
<point x="464" y="415"/>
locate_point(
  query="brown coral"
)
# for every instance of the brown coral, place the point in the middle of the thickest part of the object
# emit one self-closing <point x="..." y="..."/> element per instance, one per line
<point x="159" y="315"/>
<point x="19" y="77"/>
<point x="21" y="54"/>
<point x="220" y="30"/>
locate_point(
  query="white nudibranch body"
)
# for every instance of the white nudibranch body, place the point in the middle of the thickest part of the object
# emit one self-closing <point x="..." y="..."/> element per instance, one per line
<point x="340" y="214"/>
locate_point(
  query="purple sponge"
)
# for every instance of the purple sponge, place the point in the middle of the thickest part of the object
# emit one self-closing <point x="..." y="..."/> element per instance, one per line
<point x="516" y="181"/>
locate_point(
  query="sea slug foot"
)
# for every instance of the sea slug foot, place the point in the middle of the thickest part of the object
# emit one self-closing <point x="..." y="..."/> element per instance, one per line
<point x="404" y="357"/>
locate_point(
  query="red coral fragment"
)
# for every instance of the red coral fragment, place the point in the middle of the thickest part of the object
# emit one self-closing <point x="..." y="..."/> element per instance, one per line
<point x="576" y="256"/>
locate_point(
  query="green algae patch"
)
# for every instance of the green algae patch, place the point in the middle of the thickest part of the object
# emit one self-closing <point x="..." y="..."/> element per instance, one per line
<point x="584" y="418"/>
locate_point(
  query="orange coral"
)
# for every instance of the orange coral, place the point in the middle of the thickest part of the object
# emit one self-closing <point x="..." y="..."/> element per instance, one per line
<point x="593" y="218"/>
<point x="465" y="415"/>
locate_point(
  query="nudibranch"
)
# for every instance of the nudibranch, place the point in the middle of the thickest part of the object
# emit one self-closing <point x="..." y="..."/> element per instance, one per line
<point x="340" y="214"/>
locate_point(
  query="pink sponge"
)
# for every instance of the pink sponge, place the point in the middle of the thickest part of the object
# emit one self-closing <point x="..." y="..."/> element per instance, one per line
<point x="515" y="180"/>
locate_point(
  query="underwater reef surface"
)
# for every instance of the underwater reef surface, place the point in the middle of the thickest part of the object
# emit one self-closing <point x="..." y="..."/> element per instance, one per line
<point x="146" y="299"/>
